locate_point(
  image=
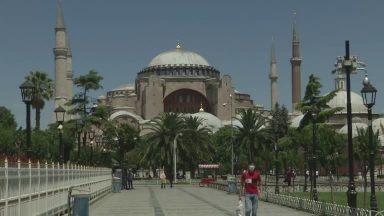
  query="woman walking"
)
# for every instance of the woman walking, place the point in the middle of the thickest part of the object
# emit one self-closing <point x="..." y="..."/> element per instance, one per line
<point x="163" y="178"/>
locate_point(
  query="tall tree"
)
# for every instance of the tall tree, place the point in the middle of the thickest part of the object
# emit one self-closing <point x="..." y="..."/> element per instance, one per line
<point x="196" y="143"/>
<point x="312" y="99"/>
<point x="44" y="92"/>
<point x="163" y="129"/>
<point x="90" y="81"/>
<point x="80" y="103"/>
<point x="252" y="134"/>
<point x="361" y="153"/>
<point x="8" y="136"/>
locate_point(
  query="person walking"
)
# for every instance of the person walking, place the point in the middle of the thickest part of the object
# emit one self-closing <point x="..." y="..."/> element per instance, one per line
<point x="130" y="179"/>
<point x="163" y="178"/>
<point x="251" y="188"/>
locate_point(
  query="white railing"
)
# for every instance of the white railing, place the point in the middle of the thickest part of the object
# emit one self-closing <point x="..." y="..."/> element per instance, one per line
<point x="315" y="207"/>
<point x="42" y="189"/>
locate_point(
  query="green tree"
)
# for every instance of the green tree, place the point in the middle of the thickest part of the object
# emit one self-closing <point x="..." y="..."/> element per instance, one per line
<point x="90" y="81"/>
<point x="8" y="136"/>
<point x="361" y="153"/>
<point x="313" y="102"/>
<point x="196" y="144"/>
<point x="252" y="134"/>
<point x="163" y="130"/>
<point x="44" y="92"/>
<point x="221" y="141"/>
<point x="80" y="103"/>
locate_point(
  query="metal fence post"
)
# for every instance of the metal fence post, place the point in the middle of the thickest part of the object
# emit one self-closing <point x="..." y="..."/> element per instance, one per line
<point x="19" y="193"/>
<point x="46" y="187"/>
<point x="30" y="187"/>
<point x="6" y="186"/>
<point x="38" y="186"/>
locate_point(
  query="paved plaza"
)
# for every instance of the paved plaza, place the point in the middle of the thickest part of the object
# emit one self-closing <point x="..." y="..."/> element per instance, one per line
<point x="178" y="201"/>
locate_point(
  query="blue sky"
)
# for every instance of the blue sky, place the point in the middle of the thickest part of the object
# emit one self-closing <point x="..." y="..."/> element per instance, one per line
<point x="118" y="38"/>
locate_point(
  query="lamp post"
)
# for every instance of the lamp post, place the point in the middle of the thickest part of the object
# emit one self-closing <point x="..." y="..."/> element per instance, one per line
<point x="347" y="66"/>
<point x="79" y="127"/>
<point x="28" y="91"/>
<point x="314" y="111"/>
<point x="232" y="154"/>
<point x="276" y="168"/>
<point x="369" y="98"/>
<point x="174" y="155"/>
<point x="60" y="114"/>
<point x="91" y="136"/>
<point x="276" y="148"/>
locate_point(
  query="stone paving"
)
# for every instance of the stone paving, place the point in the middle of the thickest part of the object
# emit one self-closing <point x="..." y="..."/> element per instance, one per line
<point x="178" y="201"/>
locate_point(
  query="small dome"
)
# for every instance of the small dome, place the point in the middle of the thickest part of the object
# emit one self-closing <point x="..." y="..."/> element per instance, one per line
<point x="295" y="122"/>
<point x="355" y="126"/>
<point x="129" y="86"/>
<point x="340" y="100"/>
<point x="178" y="56"/>
<point x="376" y="125"/>
<point x="209" y="120"/>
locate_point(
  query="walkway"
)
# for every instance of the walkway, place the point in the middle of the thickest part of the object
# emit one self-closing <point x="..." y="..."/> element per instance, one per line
<point x="182" y="200"/>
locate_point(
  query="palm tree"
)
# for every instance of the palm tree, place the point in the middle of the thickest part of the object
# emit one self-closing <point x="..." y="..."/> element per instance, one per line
<point x="44" y="91"/>
<point x="252" y="134"/>
<point x="196" y="144"/>
<point x="163" y="129"/>
<point x="90" y="81"/>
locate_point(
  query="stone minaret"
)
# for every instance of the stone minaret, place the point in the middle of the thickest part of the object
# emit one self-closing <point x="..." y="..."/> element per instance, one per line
<point x="61" y="52"/>
<point x="340" y="82"/>
<point x="273" y="77"/>
<point x="296" y="74"/>
<point x="69" y="72"/>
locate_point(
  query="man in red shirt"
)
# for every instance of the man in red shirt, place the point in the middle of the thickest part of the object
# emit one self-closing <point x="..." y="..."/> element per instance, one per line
<point x="251" y="182"/>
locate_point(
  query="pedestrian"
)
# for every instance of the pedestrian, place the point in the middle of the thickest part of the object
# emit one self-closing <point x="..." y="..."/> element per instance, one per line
<point x="170" y="178"/>
<point x="251" y="188"/>
<point x="163" y="178"/>
<point x="130" y="179"/>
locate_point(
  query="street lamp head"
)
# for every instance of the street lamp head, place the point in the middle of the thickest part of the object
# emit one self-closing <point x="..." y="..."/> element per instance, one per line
<point x="28" y="91"/>
<point x="368" y="92"/>
<point x="365" y="80"/>
<point x="60" y="114"/>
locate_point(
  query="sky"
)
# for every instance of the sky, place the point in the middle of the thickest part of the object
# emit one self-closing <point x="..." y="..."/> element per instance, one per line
<point x="118" y="38"/>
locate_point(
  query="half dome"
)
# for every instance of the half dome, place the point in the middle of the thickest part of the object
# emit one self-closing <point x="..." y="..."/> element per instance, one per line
<point x="340" y="100"/>
<point x="209" y="120"/>
<point x="178" y="56"/>
<point x="355" y="126"/>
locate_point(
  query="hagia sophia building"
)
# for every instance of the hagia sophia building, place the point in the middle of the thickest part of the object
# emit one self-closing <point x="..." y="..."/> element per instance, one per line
<point x="182" y="81"/>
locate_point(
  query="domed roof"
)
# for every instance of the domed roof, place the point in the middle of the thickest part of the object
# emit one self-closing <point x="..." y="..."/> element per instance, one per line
<point x="355" y="126"/>
<point x="129" y="86"/>
<point x="209" y="120"/>
<point x="340" y="100"/>
<point x="295" y="122"/>
<point x="376" y="125"/>
<point x="178" y="56"/>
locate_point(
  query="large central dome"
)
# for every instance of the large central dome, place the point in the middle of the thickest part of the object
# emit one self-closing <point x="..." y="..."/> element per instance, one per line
<point x="178" y="56"/>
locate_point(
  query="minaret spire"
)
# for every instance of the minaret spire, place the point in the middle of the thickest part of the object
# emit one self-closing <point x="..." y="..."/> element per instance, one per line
<point x="61" y="53"/>
<point x="296" y="70"/>
<point x="69" y="74"/>
<point x="273" y="76"/>
<point x="60" y="17"/>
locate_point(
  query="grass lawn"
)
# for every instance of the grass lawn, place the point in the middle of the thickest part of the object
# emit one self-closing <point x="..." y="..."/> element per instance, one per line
<point x="341" y="198"/>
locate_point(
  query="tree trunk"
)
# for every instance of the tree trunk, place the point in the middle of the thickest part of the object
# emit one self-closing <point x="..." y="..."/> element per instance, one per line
<point x="37" y="118"/>
<point x="365" y="187"/>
